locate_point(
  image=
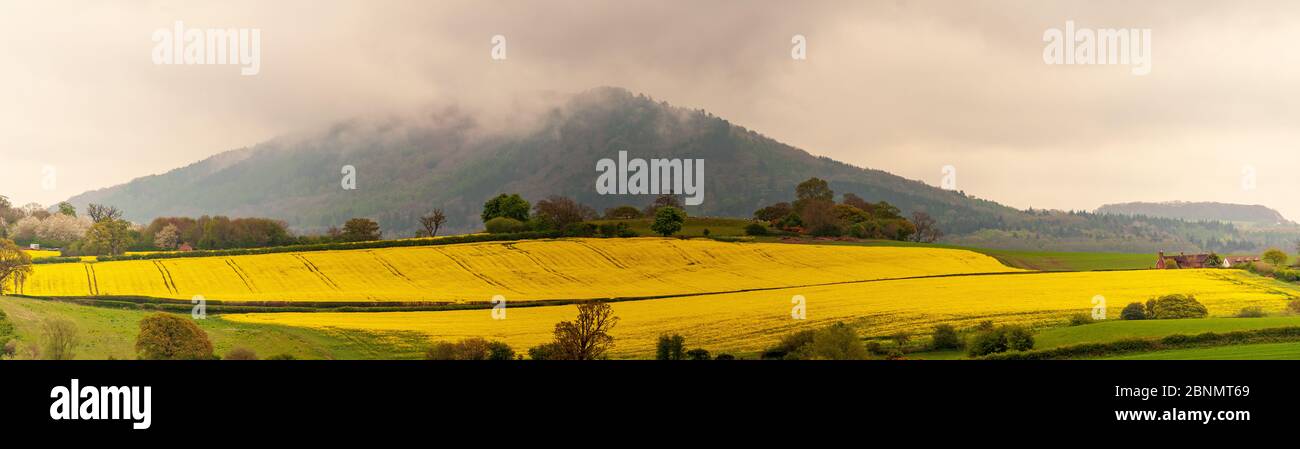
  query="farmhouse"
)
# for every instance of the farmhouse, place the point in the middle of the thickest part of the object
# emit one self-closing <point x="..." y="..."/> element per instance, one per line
<point x="1182" y="260"/>
<point x="1232" y="261"/>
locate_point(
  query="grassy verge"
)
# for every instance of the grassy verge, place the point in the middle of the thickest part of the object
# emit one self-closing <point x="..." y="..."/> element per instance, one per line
<point x="1114" y="330"/>
<point x="108" y="332"/>
<point x="1289" y="335"/>
<point x="1265" y="351"/>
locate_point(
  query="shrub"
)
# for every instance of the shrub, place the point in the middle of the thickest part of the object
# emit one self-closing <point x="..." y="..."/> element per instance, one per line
<point x="1019" y="338"/>
<point x="10" y="349"/>
<point x="671" y="347"/>
<point x="474" y="348"/>
<point x="835" y="342"/>
<point x="1133" y="311"/>
<point x="789" y="344"/>
<point x="875" y="348"/>
<point x="282" y="357"/>
<point x="612" y="229"/>
<point x="988" y="342"/>
<point x="755" y="229"/>
<point x="697" y="354"/>
<point x="240" y="353"/>
<point x="59" y="339"/>
<point x="169" y="337"/>
<point x="504" y="225"/>
<point x="1176" y="306"/>
<point x="724" y="356"/>
<point x="1251" y="312"/>
<point x="945" y="338"/>
<point x="1080" y="319"/>
<point x="547" y="351"/>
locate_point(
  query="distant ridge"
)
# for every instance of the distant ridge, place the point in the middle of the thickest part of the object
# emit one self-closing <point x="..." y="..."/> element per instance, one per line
<point x="1200" y="211"/>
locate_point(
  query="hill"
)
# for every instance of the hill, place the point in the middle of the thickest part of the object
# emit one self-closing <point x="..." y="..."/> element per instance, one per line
<point x="1200" y="211"/>
<point x="456" y="160"/>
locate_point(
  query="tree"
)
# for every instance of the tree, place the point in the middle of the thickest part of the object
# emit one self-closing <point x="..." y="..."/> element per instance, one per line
<point x="668" y="220"/>
<point x="900" y="339"/>
<point x="433" y="222"/>
<point x="1133" y="311"/>
<point x="670" y="347"/>
<point x="109" y="237"/>
<point x="59" y="339"/>
<point x="164" y="336"/>
<point x="361" y="230"/>
<point x="510" y="206"/>
<point x="622" y="213"/>
<point x="168" y="237"/>
<point x="1213" y="261"/>
<point x="98" y="213"/>
<point x="1175" y="306"/>
<point x="773" y="213"/>
<point x="927" y="230"/>
<point x="586" y="338"/>
<point x="1276" y="257"/>
<point x="14" y="264"/>
<point x="557" y="212"/>
<point x="660" y="202"/>
<point x="945" y="338"/>
<point x="814" y="189"/>
<point x="68" y="209"/>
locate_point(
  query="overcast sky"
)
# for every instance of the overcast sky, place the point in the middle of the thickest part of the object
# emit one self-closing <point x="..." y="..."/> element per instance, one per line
<point x="903" y="86"/>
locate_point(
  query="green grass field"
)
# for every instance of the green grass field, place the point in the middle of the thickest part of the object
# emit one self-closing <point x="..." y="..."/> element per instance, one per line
<point x="108" y="332"/>
<point x="1263" y="351"/>
<point x="1119" y="330"/>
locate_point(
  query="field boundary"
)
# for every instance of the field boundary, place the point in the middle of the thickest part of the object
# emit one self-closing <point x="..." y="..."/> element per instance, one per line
<point x="1138" y="345"/>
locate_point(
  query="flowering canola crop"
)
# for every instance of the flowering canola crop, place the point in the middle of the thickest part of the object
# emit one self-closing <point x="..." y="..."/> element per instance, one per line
<point x="750" y="321"/>
<point x="519" y="271"/>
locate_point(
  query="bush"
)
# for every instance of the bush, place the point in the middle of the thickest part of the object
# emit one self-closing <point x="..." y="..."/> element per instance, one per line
<point x="1080" y="319"/>
<point x="613" y="229"/>
<point x="945" y="338"/>
<point x="474" y="348"/>
<point x="165" y="336"/>
<point x="1019" y="338"/>
<point x="835" y="342"/>
<point x="504" y="225"/>
<point x="282" y="357"/>
<point x="59" y="339"/>
<point x="789" y="344"/>
<point x="1133" y="311"/>
<point x="240" y="353"/>
<point x="1275" y="257"/>
<point x="1001" y="339"/>
<point x="985" y="343"/>
<point x="10" y="349"/>
<point x="755" y="229"/>
<point x="1175" y="306"/>
<point x="724" y="356"/>
<point x="547" y="351"/>
<point x="697" y="354"/>
<point x="670" y="347"/>
<point x="1251" y="312"/>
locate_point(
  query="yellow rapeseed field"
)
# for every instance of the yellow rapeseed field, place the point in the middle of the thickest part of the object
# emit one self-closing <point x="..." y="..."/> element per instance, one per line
<point x="519" y="271"/>
<point x="751" y="321"/>
<point x="41" y="253"/>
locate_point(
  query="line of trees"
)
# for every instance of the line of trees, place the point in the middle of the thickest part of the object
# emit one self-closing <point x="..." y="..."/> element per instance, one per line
<point x="815" y="212"/>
